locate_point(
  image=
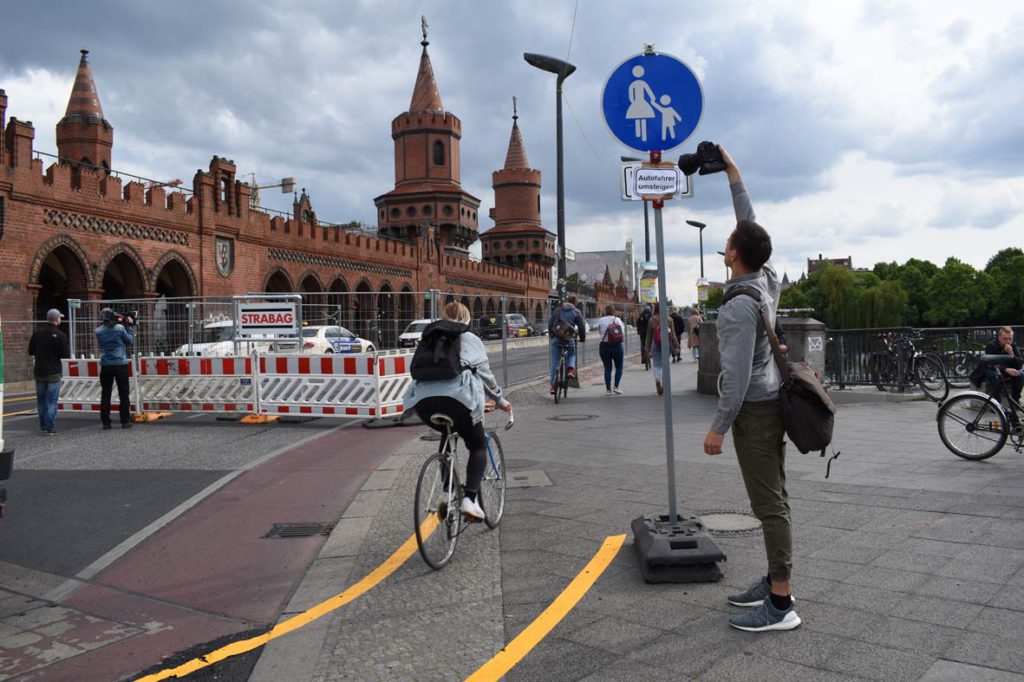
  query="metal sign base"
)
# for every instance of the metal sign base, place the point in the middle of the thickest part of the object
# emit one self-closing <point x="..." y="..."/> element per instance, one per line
<point x="679" y="552"/>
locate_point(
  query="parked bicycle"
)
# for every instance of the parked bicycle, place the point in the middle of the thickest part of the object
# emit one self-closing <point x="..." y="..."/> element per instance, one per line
<point x="958" y="365"/>
<point x="900" y="365"/>
<point x="975" y="425"/>
<point x="439" y="491"/>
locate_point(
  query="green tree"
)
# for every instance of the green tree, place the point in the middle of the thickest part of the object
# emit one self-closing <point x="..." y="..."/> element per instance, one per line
<point x="794" y="297"/>
<point x="958" y="294"/>
<point x="837" y="290"/>
<point x="1007" y="273"/>
<point x="714" y="299"/>
<point x="1003" y="259"/>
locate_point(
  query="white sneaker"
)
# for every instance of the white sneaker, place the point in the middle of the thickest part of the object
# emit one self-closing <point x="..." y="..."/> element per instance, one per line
<point x="472" y="509"/>
<point x="617" y="391"/>
<point x="608" y="391"/>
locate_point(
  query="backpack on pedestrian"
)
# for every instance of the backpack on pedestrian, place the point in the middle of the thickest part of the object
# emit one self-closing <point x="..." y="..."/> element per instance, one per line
<point x="614" y="334"/>
<point x="438" y="355"/>
<point x="808" y="412"/>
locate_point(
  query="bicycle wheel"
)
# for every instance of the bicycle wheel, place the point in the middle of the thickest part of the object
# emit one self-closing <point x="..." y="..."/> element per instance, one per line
<point x="561" y="380"/>
<point x="882" y="372"/>
<point x="931" y="377"/>
<point x="959" y="365"/>
<point x="492" y="487"/>
<point x="437" y="516"/>
<point x="972" y="426"/>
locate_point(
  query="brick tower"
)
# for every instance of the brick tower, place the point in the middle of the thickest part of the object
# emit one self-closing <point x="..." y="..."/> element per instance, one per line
<point x="84" y="137"/>
<point x="428" y="195"/>
<point x="517" y="237"/>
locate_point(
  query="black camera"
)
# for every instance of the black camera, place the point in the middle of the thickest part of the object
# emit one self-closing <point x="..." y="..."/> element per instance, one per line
<point x="707" y="160"/>
<point x="124" y="317"/>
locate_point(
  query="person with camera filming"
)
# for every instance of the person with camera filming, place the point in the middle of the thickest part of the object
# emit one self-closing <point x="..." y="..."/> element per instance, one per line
<point x="113" y="335"/>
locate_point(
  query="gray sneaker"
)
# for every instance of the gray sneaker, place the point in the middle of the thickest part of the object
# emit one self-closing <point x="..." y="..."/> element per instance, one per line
<point x="754" y="595"/>
<point x="765" y="617"/>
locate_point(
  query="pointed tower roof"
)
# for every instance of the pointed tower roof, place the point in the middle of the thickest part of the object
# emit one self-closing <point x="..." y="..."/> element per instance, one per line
<point x="516" y="157"/>
<point x="84" y="104"/>
<point x="425" y="96"/>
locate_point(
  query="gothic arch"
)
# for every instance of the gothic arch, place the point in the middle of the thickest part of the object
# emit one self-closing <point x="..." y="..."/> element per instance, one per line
<point x="310" y="276"/>
<point x="53" y="243"/>
<point x="280" y="281"/>
<point x="132" y="271"/>
<point x="173" y="256"/>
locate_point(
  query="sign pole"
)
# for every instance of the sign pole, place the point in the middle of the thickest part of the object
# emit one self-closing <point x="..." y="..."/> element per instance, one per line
<point x="666" y="367"/>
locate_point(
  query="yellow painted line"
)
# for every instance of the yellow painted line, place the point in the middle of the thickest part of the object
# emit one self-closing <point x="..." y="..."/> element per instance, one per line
<point x="24" y="399"/>
<point x="18" y="414"/>
<point x="524" y="642"/>
<point x="295" y="622"/>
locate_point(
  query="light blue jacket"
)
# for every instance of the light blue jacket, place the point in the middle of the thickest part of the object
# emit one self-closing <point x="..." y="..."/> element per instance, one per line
<point x="112" y="342"/>
<point x="468" y="388"/>
<point x="748" y="367"/>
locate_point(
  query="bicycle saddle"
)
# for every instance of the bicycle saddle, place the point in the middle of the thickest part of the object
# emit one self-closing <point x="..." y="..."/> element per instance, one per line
<point x="441" y="419"/>
<point x="997" y="359"/>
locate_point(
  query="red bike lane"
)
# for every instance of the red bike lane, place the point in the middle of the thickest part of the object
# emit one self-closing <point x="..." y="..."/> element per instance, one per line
<point x="210" y="573"/>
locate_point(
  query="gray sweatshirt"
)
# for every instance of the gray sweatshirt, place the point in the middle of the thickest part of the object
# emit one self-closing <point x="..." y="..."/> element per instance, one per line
<point x="468" y="388"/>
<point x="748" y="368"/>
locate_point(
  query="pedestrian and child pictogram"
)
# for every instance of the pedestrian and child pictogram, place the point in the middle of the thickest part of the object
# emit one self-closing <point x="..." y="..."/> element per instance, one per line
<point x="652" y="102"/>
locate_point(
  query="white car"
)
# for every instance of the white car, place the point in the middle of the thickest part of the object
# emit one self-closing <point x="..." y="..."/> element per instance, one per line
<point x="328" y="339"/>
<point x="218" y="340"/>
<point x="413" y="333"/>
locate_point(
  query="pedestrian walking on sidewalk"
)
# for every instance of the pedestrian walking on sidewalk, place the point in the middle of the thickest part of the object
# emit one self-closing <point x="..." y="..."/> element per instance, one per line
<point x="654" y="343"/>
<point x="678" y="327"/>
<point x="749" y="405"/>
<point x="113" y="339"/>
<point x="612" y="334"/>
<point x="48" y="345"/>
<point x="461" y="398"/>
<point x="693" y="334"/>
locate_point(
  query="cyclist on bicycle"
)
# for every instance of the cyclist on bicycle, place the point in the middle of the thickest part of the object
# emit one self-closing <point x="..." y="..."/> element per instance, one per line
<point x="565" y="316"/>
<point x="462" y="399"/>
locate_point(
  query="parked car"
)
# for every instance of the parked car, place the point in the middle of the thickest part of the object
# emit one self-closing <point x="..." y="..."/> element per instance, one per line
<point x="327" y="339"/>
<point x="218" y="340"/>
<point x="412" y="334"/>
<point x="538" y="328"/>
<point x="490" y="326"/>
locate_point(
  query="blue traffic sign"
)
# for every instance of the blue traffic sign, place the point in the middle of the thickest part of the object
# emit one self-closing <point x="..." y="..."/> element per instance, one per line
<point x="652" y="102"/>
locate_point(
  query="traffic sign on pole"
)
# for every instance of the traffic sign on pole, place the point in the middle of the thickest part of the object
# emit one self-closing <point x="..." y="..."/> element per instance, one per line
<point x="652" y="102"/>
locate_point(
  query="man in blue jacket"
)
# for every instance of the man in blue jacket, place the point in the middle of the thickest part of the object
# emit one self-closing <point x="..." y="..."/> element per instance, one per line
<point x="569" y="314"/>
<point x="113" y="338"/>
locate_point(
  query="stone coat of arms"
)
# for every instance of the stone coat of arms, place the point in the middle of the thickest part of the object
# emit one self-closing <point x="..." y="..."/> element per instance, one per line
<point x="224" y="255"/>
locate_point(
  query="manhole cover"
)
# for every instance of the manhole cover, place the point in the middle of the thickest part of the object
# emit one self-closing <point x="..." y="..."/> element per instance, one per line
<point x="729" y="523"/>
<point x="299" y="530"/>
<point x="572" y="417"/>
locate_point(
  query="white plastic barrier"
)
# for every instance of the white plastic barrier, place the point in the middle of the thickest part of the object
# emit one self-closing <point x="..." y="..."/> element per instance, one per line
<point x="80" y="387"/>
<point x="339" y="385"/>
<point x="195" y="384"/>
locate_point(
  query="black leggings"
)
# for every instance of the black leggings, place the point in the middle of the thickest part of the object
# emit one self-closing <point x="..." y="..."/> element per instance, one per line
<point x="472" y="434"/>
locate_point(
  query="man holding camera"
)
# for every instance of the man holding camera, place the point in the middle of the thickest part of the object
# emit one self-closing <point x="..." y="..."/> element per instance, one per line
<point x="113" y="337"/>
<point x="750" y="407"/>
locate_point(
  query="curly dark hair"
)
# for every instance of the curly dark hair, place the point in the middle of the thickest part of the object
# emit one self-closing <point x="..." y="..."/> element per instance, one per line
<point x="753" y="243"/>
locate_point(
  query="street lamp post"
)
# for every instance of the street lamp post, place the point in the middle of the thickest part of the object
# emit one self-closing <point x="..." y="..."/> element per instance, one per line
<point x="563" y="70"/>
<point x="647" y="224"/>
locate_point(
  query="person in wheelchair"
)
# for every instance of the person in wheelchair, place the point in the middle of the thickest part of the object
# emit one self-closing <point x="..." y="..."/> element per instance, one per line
<point x="462" y="400"/>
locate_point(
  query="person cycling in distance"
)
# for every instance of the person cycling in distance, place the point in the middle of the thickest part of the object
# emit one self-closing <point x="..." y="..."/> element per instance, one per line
<point x="568" y="314"/>
<point x="462" y="399"/>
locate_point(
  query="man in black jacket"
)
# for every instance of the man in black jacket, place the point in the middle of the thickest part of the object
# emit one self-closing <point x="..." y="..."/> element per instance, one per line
<point x="678" y="327"/>
<point x="1003" y="344"/>
<point x="49" y="346"/>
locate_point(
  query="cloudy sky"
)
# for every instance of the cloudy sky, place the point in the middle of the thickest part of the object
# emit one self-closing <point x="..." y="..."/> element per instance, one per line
<point x="871" y="129"/>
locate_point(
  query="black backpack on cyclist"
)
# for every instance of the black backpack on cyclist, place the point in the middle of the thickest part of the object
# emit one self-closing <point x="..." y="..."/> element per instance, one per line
<point x="438" y="355"/>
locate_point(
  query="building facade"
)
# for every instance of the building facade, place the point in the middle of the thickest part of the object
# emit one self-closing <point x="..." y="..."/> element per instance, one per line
<point x="71" y="227"/>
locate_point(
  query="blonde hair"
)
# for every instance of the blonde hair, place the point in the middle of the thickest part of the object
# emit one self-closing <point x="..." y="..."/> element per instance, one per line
<point x="456" y="312"/>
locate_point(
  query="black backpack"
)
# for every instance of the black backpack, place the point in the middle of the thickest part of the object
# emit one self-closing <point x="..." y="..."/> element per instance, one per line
<point x="437" y="357"/>
<point x="808" y="412"/>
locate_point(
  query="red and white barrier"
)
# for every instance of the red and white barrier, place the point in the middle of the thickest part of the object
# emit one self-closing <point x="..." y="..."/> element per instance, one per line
<point x="196" y="384"/>
<point x="340" y="385"/>
<point x="80" y="387"/>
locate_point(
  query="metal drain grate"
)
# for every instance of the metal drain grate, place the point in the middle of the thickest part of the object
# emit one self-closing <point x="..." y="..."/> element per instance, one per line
<point x="730" y="523"/>
<point x="299" y="530"/>
<point x="572" y="417"/>
<point x="527" y="478"/>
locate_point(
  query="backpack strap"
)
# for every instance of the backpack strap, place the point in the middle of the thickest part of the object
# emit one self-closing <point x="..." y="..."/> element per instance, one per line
<point x="780" y="362"/>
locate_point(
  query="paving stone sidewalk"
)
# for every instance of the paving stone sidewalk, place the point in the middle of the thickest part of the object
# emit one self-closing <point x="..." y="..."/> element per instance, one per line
<point x="909" y="562"/>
